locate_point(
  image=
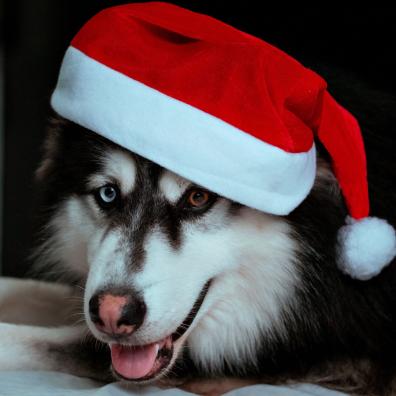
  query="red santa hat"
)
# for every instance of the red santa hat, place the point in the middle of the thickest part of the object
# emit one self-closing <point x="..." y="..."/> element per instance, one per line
<point x="223" y="109"/>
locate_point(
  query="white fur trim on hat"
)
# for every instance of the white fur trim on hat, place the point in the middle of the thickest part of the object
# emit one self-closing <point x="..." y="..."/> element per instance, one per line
<point x="182" y="138"/>
<point x="366" y="246"/>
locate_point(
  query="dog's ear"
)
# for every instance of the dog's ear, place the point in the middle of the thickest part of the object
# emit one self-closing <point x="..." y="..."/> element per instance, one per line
<point x="50" y="147"/>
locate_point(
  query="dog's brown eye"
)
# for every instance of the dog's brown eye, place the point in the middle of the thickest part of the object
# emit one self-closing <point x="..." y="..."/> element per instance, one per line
<point x="198" y="198"/>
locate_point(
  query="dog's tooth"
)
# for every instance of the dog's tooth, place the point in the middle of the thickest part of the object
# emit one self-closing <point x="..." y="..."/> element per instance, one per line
<point x="157" y="347"/>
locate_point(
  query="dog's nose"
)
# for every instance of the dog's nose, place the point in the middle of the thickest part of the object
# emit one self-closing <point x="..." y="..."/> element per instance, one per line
<point x="117" y="314"/>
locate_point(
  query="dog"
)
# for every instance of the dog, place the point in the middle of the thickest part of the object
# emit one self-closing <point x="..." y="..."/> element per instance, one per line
<point x="175" y="285"/>
<point x="210" y="288"/>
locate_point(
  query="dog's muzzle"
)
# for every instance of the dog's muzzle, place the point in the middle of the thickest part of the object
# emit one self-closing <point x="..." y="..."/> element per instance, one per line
<point x="143" y="363"/>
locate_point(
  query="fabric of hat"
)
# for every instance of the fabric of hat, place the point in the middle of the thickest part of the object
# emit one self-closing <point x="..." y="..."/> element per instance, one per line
<point x="222" y="108"/>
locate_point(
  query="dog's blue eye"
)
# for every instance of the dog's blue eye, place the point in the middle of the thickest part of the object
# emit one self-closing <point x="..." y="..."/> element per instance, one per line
<point x="107" y="195"/>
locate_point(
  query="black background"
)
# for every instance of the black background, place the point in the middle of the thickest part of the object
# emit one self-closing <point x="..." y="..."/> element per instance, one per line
<point x="36" y="33"/>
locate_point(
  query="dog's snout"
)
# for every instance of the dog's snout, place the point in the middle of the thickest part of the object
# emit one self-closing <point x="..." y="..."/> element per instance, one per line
<point x="117" y="314"/>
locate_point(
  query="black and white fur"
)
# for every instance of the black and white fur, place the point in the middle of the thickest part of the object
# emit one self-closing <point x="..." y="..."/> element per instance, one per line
<point x="278" y="309"/>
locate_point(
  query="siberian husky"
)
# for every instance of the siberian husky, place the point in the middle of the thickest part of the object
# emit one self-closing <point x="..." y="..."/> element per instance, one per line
<point x="177" y="285"/>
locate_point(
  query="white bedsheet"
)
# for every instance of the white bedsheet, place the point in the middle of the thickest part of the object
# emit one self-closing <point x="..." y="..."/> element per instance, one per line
<point x="46" y="383"/>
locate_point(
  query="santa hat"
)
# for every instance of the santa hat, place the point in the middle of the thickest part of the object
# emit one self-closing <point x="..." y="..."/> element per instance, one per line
<point x="223" y="109"/>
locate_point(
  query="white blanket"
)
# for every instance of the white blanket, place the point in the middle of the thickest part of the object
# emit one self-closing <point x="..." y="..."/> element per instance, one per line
<point x="45" y="383"/>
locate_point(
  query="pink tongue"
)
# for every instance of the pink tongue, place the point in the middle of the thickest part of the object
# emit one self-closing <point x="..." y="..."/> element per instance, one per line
<point x="133" y="362"/>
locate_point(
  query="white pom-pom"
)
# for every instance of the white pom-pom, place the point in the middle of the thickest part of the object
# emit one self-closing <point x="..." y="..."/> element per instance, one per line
<point x="366" y="246"/>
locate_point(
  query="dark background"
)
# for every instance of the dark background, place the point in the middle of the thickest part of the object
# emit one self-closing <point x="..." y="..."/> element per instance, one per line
<point x="37" y="32"/>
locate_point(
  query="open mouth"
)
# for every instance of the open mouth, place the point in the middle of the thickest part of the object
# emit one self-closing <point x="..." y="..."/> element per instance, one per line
<point x="141" y="363"/>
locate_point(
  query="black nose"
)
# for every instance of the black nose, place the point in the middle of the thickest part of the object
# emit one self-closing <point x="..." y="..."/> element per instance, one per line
<point x="133" y="313"/>
<point x="94" y="309"/>
<point x="117" y="312"/>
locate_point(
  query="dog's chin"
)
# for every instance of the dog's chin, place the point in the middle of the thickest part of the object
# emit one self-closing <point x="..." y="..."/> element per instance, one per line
<point x="142" y="364"/>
